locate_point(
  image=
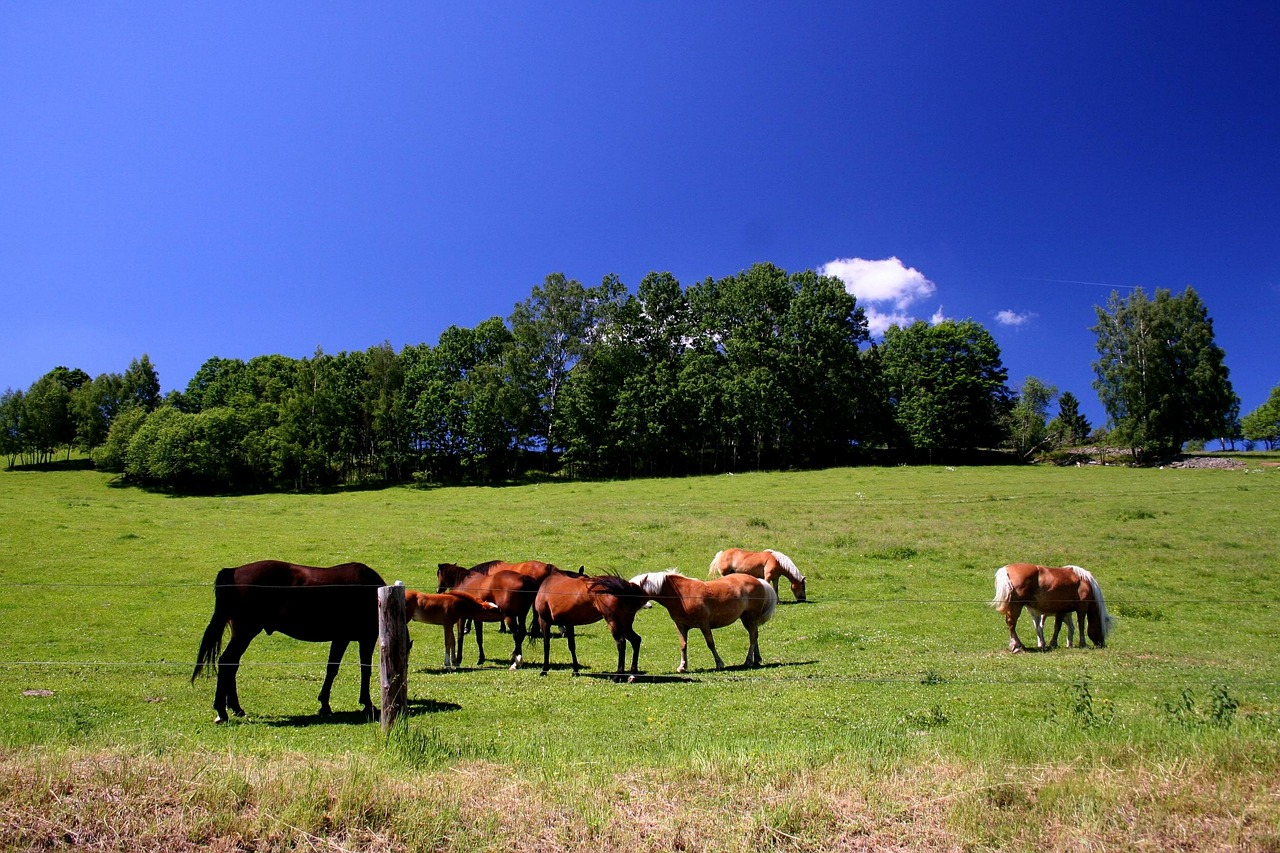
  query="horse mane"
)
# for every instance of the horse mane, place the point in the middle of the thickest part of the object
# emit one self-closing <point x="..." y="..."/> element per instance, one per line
<point x="651" y="582"/>
<point x="715" y="562"/>
<point x="788" y="567"/>
<point x="483" y="568"/>
<point x="613" y="584"/>
<point x="1104" y="617"/>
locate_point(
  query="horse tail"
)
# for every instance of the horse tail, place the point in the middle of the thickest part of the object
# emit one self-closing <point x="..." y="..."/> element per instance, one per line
<point x="715" y="571"/>
<point x="211" y="644"/>
<point x="1104" y="618"/>
<point x="787" y="565"/>
<point x="771" y="603"/>
<point x="1004" y="590"/>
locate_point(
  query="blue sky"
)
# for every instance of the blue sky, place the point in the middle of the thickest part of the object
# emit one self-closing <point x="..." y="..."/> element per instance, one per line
<point x="190" y="180"/>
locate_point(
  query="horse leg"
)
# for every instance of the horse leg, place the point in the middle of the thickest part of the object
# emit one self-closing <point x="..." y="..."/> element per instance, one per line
<point x="620" y="640"/>
<point x="684" y="648"/>
<point x="545" y="624"/>
<point x="711" y="644"/>
<point x="450" y="642"/>
<point x="225" y="694"/>
<point x="1037" y="622"/>
<point x="1080" y="616"/>
<point x="366" y="672"/>
<point x="336" y="650"/>
<point x="479" y="626"/>
<point x="517" y="632"/>
<point x="635" y="641"/>
<point x="1011" y="619"/>
<point x="573" y="646"/>
<point x="753" y="648"/>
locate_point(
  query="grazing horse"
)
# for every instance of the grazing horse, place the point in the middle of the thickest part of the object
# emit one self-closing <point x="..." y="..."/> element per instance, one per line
<point x="769" y="565"/>
<point x="1050" y="590"/>
<point x="337" y="605"/>
<point x="712" y="604"/>
<point x="568" y="600"/>
<point x="446" y="609"/>
<point x="510" y="592"/>
<point x="511" y="585"/>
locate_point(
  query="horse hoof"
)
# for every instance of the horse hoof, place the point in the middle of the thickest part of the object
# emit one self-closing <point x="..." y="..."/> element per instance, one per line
<point x="217" y="721"/>
<point x="631" y="679"/>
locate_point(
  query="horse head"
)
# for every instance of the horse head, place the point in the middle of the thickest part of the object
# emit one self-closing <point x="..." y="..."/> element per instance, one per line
<point x="448" y="575"/>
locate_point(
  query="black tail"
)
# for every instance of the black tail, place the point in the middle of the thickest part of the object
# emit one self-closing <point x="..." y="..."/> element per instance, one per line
<point x="211" y="645"/>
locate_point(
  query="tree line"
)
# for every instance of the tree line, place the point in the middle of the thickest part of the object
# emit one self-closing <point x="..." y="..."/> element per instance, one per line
<point x="761" y="370"/>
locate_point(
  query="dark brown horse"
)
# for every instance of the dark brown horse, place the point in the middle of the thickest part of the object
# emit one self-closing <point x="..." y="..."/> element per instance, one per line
<point x="1057" y="591"/>
<point x="569" y="600"/>
<point x="511" y="593"/>
<point x="712" y="604"/>
<point x="336" y="605"/>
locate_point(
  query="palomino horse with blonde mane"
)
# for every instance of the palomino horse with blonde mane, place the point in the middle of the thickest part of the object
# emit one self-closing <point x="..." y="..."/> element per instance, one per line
<point x="769" y="565"/>
<point x="712" y="604"/>
<point x="447" y="609"/>
<point x="568" y="600"/>
<point x="1057" y="591"/>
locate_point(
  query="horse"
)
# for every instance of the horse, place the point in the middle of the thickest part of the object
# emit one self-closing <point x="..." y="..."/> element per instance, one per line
<point x="769" y="565"/>
<point x="510" y="592"/>
<point x="449" y="575"/>
<point x="447" y="609"/>
<point x="712" y="604"/>
<point x="569" y="600"/>
<point x="337" y="605"/>
<point x="1060" y="591"/>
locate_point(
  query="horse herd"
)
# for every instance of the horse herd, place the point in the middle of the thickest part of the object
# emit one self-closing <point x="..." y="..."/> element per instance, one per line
<point x="338" y="605"/>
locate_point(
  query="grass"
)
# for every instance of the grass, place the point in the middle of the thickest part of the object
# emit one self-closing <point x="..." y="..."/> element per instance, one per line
<point x="888" y="712"/>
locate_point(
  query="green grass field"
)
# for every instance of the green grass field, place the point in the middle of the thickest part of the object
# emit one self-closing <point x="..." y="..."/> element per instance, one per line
<point x="888" y="712"/>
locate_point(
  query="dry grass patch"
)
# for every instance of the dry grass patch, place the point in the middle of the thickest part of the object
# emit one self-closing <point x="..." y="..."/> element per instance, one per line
<point x="115" y="801"/>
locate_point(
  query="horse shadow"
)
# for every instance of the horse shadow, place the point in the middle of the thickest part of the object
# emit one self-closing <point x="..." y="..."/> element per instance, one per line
<point x="302" y="721"/>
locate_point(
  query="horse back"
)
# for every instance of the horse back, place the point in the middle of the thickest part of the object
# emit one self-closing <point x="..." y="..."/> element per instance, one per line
<point x="305" y="602"/>
<point x="565" y="598"/>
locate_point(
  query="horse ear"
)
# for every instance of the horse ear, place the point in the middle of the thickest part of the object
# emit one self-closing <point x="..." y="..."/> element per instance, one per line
<point x="582" y="570"/>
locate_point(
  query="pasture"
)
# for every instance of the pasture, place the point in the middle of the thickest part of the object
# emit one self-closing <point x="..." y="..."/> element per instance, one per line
<point x="888" y="710"/>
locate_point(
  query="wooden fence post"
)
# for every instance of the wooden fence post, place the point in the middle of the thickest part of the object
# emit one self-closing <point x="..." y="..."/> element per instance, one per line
<point x="393" y="643"/>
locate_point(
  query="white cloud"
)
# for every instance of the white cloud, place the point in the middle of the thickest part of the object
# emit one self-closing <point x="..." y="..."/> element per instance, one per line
<point x="1014" y="318"/>
<point x="884" y="289"/>
<point x="938" y="317"/>
<point x="881" y="281"/>
<point x="879" y="321"/>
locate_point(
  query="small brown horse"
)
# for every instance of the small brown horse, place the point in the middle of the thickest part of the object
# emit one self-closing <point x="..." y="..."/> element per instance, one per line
<point x="569" y="600"/>
<point x="712" y="604"/>
<point x="769" y="565"/>
<point x="1057" y="591"/>
<point x="336" y="605"/>
<point x="510" y="592"/>
<point x="446" y="609"/>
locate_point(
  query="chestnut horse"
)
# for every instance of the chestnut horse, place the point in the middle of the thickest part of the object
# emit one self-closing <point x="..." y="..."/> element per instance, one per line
<point x="511" y="593"/>
<point x="712" y="604"/>
<point x="446" y="609"/>
<point x="1055" y="591"/>
<point x="512" y="596"/>
<point x="336" y="605"/>
<point x="569" y="600"/>
<point x="769" y="565"/>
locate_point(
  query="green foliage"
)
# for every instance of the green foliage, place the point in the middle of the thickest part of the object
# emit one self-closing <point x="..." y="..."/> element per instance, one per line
<point x="1027" y="429"/>
<point x="1160" y="376"/>
<point x="946" y="385"/>
<point x="1263" y="423"/>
